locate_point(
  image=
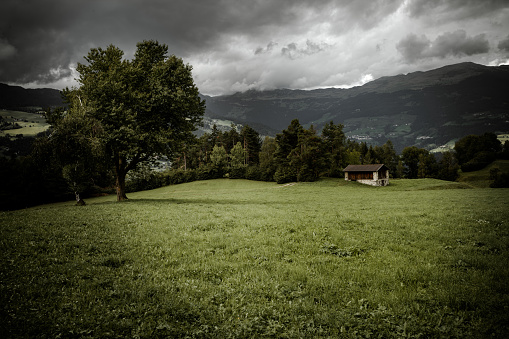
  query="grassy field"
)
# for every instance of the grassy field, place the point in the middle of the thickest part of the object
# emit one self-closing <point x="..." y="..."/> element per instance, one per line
<point x="242" y="259"/>
<point x="31" y="123"/>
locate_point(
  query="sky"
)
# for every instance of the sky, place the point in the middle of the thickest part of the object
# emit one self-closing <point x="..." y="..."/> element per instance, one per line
<point x="237" y="45"/>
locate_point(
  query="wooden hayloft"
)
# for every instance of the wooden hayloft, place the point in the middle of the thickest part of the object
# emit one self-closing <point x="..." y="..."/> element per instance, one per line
<point x="374" y="175"/>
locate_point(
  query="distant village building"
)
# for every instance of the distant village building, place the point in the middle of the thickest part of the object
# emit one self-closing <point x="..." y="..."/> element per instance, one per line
<point x="374" y="175"/>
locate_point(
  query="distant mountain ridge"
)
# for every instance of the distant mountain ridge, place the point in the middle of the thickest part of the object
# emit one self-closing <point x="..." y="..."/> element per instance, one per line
<point x="16" y="97"/>
<point x="426" y="109"/>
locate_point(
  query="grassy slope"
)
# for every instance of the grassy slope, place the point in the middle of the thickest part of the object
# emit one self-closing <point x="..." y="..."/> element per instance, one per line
<point x="481" y="178"/>
<point x="234" y="258"/>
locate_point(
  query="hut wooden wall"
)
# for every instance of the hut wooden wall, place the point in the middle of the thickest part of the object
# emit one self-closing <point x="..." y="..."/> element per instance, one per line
<point x="360" y="176"/>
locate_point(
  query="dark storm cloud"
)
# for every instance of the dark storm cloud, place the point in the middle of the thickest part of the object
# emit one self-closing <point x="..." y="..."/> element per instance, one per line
<point x="453" y="9"/>
<point x="458" y="43"/>
<point x="38" y="36"/>
<point x="293" y="50"/>
<point x="455" y="44"/>
<point x="413" y="47"/>
<point x="269" y="48"/>
<point x="33" y="46"/>
<point x="504" y="44"/>
<point x="238" y="44"/>
<point x="50" y="35"/>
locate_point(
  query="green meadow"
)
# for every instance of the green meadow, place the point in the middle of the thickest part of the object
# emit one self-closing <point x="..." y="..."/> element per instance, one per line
<point x="31" y="123"/>
<point x="243" y="259"/>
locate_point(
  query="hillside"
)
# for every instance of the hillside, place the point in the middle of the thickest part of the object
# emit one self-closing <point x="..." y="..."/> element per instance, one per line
<point x="426" y="109"/>
<point x="17" y="97"/>
<point x="481" y="178"/>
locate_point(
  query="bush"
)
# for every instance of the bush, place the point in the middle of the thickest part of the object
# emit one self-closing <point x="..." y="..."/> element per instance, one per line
<point x="285" y="174"/>
<point x="255" y="173"/>
<point x="336" y="172"/>
<point x="238" y="173"/>
<point x="481" y="160"/>
<point x="177" y="176"/>
<point x="143" y="179"/>
<point x="208" y="172"/>
<point x="501" y="181"/>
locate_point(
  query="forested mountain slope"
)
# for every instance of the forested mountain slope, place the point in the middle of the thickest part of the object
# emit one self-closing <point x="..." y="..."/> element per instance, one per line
<point x="17" y="97"/>
<point x="426" y="109"/>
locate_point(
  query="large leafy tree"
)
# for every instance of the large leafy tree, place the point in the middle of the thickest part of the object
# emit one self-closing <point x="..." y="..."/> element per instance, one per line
<point x="420" y="163"/>
<point x="145" y="106"/>
<point x="411" y="156"/>
<point x="475" y="152"/>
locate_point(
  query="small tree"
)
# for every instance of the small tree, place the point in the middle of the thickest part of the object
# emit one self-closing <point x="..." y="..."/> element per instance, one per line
<point x="286" y="142"/>
<point x="252" y="145"/>
<point x="427" y="167"/>
<point x="237" y="156"/>
<point x="475" y="152"/>
<point x="76" y="143"/>
<point x="268" y="164"/>
<point x="411" y="156"/>
<point x="448" y="167"/>
<point x="389" y="156"/>
<point x="76" y="176"/>
<point x="334" y="142"/>
<point x="219" y="158"/>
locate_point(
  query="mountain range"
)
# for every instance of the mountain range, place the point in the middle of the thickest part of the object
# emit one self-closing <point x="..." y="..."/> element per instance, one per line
<point x="19" y="98"/>
<point x="427" y="109"/>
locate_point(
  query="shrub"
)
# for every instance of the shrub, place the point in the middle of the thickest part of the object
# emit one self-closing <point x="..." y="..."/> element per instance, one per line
<point x="238" y="173"/>
<point x="285" y="174"/>
<point x="481" y="160"/>
<point x="255" y="173"/>
<point x="143" y="179"/>
<point x="501" y="181"/>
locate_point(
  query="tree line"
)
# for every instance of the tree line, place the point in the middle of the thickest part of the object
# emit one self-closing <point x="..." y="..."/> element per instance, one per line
<point x="300" y="154"/>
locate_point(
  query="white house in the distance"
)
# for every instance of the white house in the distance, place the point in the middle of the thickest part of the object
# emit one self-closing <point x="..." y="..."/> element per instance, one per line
<point x="374" y="175"/>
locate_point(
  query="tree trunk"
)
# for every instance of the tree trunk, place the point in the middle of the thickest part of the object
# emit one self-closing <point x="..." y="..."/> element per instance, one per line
<point x="79" y="201"/>
<point x="121" y="172"/>
<point x="120" y="186"/>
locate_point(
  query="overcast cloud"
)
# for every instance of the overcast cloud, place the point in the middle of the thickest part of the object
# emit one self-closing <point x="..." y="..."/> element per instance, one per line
<point x="236" y="45"/>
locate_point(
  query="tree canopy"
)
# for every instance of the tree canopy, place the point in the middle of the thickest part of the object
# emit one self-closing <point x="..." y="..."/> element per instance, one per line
<point x="475" y="152"/>
<point x="145" y="107"/>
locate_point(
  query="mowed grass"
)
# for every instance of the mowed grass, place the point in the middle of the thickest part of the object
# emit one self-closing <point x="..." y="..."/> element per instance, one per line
<point x="243" y="259"/>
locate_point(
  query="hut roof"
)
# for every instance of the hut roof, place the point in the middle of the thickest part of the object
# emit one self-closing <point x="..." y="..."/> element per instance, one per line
<point x="364" y="168"/>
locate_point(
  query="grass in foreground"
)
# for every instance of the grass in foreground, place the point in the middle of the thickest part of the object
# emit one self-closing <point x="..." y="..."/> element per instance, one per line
<point x="240" y="259"/>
